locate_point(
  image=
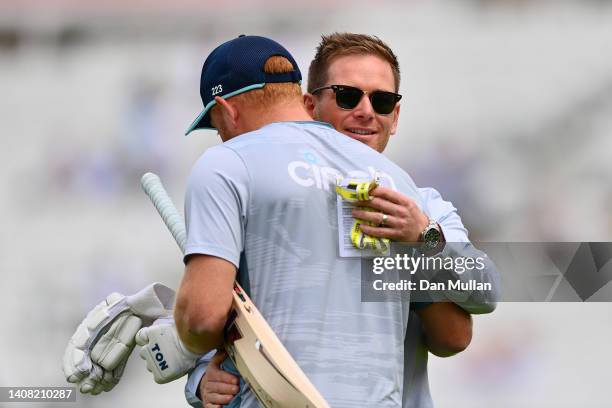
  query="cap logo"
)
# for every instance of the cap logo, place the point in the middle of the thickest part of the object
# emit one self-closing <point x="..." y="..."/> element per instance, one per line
<point x="217" y="89"/>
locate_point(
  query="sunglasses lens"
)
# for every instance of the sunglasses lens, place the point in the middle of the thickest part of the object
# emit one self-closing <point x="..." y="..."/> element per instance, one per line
<point x="383" y="102"/>
<point x="348" y="98"/>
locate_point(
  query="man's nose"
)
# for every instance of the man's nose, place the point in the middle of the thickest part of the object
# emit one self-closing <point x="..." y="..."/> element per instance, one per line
<point x="364" y="109"/>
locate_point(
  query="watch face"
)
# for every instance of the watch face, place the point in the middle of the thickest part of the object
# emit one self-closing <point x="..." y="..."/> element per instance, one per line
<point x="431" y="237"/>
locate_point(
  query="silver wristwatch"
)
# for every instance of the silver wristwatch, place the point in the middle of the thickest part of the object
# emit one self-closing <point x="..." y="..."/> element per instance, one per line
<point x="431" y="236"/>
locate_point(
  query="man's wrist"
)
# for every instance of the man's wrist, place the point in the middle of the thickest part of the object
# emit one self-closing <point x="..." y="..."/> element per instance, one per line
<point x="192" y="387"/>
<point x="432" y="239"/>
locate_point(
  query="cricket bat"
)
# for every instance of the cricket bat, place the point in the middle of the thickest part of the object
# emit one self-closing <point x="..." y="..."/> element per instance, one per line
<point x="260" y="357"/>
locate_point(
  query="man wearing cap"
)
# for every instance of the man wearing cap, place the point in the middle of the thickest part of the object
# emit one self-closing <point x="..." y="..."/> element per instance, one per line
<point x="247" y="204"/>
<point x="365" y="62"/>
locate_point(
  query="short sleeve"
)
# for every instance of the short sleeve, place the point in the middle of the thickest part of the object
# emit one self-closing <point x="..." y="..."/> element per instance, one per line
<point x="216" y="204"/>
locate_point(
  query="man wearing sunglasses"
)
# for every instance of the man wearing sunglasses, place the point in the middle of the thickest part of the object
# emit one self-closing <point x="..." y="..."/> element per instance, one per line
<point x="352" y="84"/>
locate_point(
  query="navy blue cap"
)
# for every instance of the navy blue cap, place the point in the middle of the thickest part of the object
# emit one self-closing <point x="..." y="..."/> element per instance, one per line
<point x="237" y="66"/>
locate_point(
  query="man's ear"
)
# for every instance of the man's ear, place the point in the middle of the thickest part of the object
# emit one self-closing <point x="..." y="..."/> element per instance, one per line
<point x="309" y="104"/>
<point x="395" y="119"/>
<point x="229" y="111"/>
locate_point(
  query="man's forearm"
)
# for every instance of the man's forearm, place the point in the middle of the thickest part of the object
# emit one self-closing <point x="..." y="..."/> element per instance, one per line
<point x="474" y="299"/>
<point x="203" y="302"/>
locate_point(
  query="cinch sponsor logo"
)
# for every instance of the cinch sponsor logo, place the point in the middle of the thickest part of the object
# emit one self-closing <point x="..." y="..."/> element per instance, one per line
<point x="324" y="178"/>
<point x="161" y="362"/>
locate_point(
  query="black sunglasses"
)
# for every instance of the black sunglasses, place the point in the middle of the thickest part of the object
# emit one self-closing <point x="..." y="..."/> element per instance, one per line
<point x="348" y="97"/>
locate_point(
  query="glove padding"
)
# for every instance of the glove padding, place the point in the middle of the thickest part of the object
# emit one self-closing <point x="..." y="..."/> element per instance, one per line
<point x="166" y="355"/>
<point x="97" y="353"/>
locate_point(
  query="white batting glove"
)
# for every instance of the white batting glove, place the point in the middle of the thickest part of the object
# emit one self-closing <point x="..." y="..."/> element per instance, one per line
<point x="99" y="379"/>
<point x="166" y="355"/>
<point x="98" y="350"/>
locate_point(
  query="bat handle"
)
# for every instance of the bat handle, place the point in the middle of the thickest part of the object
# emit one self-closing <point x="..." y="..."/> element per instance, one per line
<point x="152" y="185"/>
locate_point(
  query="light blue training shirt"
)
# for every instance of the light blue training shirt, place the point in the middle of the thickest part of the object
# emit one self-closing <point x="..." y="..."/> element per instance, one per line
<point x="416" y="392"/>
<point x="265" y="201"/>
